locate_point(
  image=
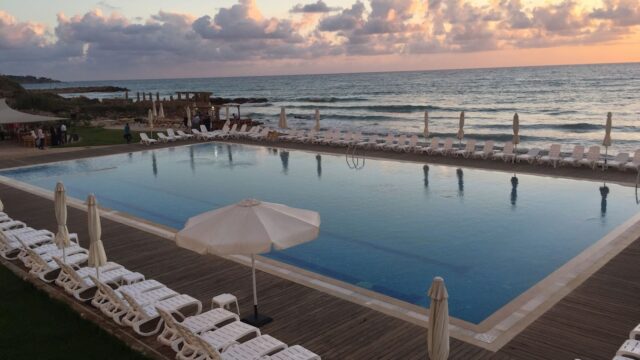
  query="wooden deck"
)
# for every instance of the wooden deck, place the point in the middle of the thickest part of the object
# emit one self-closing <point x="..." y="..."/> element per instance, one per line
<point x="590" y="323"/>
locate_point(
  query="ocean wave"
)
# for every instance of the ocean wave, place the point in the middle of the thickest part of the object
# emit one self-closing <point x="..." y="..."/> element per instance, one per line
<point x="330" y="99"/>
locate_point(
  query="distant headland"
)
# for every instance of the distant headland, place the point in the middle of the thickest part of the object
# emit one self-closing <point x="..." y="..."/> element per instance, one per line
<point x="30" y="79"/>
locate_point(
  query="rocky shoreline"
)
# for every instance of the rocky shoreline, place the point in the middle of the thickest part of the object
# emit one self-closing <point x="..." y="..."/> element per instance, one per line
<point x="82" y="89"/>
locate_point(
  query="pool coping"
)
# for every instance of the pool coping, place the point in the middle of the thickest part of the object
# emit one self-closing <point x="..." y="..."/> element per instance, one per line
<point x="491" y="334"/>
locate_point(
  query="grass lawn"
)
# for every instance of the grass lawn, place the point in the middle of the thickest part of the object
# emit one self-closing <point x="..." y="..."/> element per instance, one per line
<point x="94" y="136"/>
<point x="34" y="326"/>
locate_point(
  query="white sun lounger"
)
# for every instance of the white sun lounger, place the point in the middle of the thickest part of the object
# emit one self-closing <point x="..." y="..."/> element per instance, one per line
<point x="48" y="271"/>
<point x="145" y="140"/>
<point x="408" y="146"/>
<point x="198" y="324"/>
<point x="630" y="348"/>
<point x="222" y="338"/>
<point x="12" y="224"/>
<point x="225" y="133"/>
<point x="143" y="316"/>
<point x="102" y="300"/>
<point x="111" y="302"/>
<point x="468" y="150"/>
<point x="386" y="142"/>
<point x="553" y="157"/>
<point x="197" y="347"/>
<point x="295" y="352"/>
<point x="634" y="164"/>
<point x="593" y="155"/>
<point x="79" y="284"/>
<point x="506" y="154"/>
<point x="486" y="151"/>
<point x="172" y="134"/>
<point x="433" y="146"/>
<point x="371" y="142"/>
<point x="576" y="156"/>
<point x="50" y="250"/>
<point x="529" y="157"/>
<point x="235" y="133"/>
<point x="446" y="149"/>
<point x="184" y="135"/>
<point x="12" y="242"/>
<point x="261" y="135"/>
<point x="165" y="139"/>
<point x="618" y="162"/>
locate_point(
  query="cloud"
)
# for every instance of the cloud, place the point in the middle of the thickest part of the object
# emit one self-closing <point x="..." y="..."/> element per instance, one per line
<point x="108" y="42"/>
<point x="620" y="12"/>
<point x="317" y="7"/>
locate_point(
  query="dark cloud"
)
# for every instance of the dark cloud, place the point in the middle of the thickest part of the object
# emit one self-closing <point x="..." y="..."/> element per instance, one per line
<point x="317" y="7"/>
<point x="620" y="12"/>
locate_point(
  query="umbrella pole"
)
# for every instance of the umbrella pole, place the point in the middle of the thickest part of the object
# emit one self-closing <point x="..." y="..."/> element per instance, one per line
<point x="255" y="291"/>
<point x="606" y="152"/>
<point x="256" y="319"/>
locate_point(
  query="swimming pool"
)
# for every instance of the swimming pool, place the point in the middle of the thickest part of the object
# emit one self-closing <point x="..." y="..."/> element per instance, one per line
<point x="389" y="227"/>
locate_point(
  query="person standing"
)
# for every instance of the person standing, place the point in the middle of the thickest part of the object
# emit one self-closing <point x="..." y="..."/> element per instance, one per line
<point x="63" y="133"/>
<point x="40" y="137"/>
<point x="127" y="133"/>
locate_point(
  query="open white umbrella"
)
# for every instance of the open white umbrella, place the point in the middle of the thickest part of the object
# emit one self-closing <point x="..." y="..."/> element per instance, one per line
<point x="516" y="130"/>
<point x="62" y="236"/>
<point x="317" y="117"/>
<point x="282" y="123"/>
<point x="438" y="335"/>
<point x="607" y="138"/>
<point x="161" y="112"/>
<point x="97" y="256"/>
<point x="461" y="127"/>
<point x="247" y="228"/>
<point x="153" y="109"/>
<point x="426" y="125"/>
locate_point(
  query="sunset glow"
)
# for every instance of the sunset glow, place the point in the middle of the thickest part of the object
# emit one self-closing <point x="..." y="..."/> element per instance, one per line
<point x="247" y="37"/>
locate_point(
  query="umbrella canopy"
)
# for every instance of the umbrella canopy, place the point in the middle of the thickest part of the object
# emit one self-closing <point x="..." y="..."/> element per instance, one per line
<point x="317" y="117"/>
<point x="516" y="129"/>
<point x="461" y="126"/>
<point x="62" y="236"/>
<point x="153" y="108"/>
<point x="161" y="112"/>
<point x="247" y="228"/>
<point x="426" y="125"/>
<point x="607" y="131"/>
<point x="282" y="123"/>
<point x="150" y="118"/>
<point x="438" y="336"/>
<point x="97" y="256"/>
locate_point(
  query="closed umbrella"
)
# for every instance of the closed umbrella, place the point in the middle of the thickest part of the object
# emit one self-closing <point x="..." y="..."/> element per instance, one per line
<point x="62" y="236"/>
<point x="426" y="125"/>
<point x="282" y="123"/>
<point x="153" y="108"/>
<point x="607" y="138"/>
<point x="161" y="112"/>
<point x="516" y="130"/>
<point x="188" y="112"/>
<point x="460" y="127"/>
<point x="247" y="228"/>
<point x="1" y="206"/>
<point x="438" y="336"/>
<point x="317" y="117"/>
<point x="97" y="256"/>
<point x="150" y="118"/>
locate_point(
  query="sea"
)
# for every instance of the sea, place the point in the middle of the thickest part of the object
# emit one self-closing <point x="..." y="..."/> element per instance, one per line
<point x="563" y="104"/>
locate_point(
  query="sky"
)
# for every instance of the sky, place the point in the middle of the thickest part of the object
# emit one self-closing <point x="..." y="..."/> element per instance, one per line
<point x="124" y="39"/>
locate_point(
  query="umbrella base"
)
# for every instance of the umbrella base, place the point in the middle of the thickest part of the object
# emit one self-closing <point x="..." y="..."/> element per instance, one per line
<point x="257" y="320"/>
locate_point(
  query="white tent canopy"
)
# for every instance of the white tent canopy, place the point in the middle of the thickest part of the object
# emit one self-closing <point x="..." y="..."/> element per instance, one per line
<point x="10" y="116"/>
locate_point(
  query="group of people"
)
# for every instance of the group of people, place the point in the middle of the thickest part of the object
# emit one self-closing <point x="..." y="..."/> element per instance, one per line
<point x="58" y="135"/>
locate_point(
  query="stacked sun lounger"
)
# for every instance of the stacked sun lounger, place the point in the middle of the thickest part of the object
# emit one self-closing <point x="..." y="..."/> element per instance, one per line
<point x="630" y="349"/>
<point x="147" y="306"/>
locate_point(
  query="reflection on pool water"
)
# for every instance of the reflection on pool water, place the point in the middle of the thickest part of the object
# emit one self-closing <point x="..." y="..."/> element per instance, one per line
<point x="389" y="227"/>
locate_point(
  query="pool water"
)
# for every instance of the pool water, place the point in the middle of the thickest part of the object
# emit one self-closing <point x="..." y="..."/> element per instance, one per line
<point x="389" y="226"/>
